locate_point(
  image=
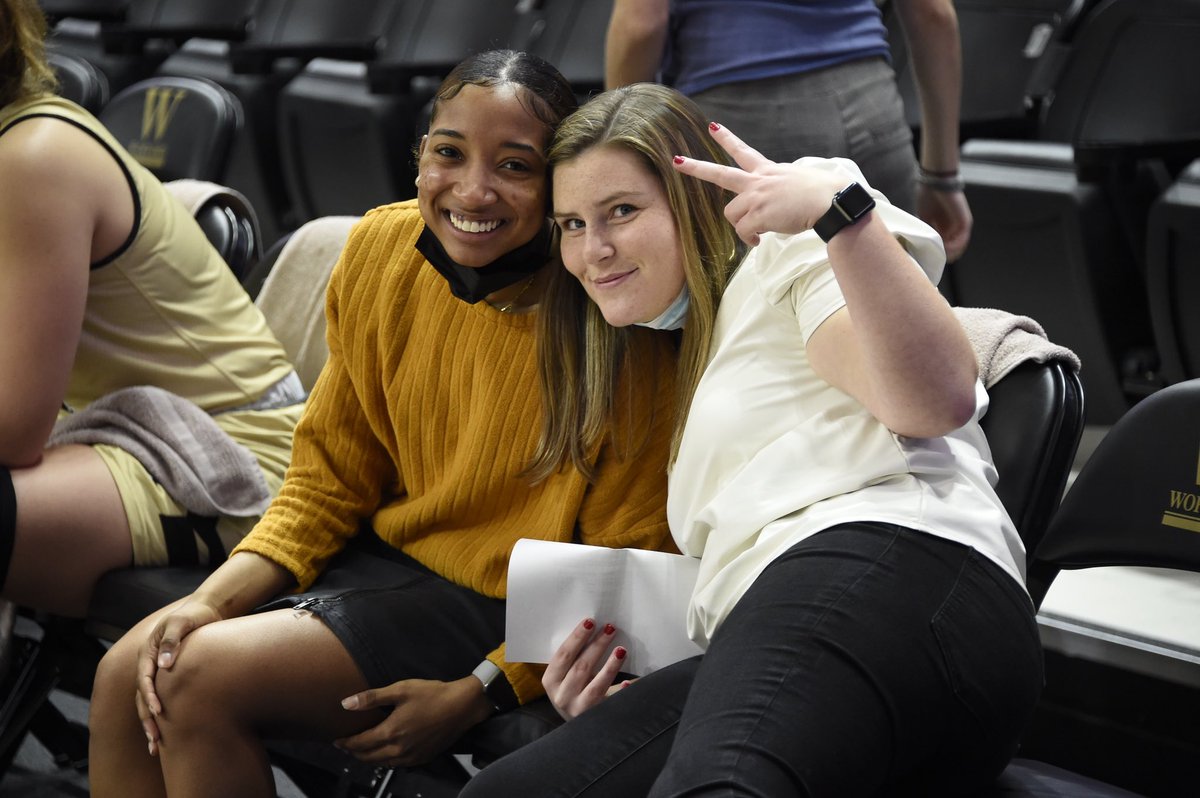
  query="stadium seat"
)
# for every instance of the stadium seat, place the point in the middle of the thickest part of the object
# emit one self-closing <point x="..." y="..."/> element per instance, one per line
<point x="1002" y="41"/>
<point x="347" y="128"/>
<point x="129" y="45"/>
<point x="1060" y="222"/>
<point x="570" y="34"/>
<point x="79" y="81"/>
<point x="1136" y="501"/>
<point x="106" y="10"/>
<point x="285" y="35"/>
<point x="227" y="220"/>
<point x="1173" y="275"/>
<point x="177" y="127"/>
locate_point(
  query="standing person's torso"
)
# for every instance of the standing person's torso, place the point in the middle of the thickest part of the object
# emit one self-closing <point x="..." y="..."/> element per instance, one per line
<point x="714" y="42"/>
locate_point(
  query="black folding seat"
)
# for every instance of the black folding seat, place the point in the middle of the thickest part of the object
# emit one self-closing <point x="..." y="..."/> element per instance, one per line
<point x="285" y="35"/>
<point x="108" y="10"/>
<point x="347" y="128"/>
<point x="128" y="46"/>
<point x="1173" y="275"/>
<point x="1060" y="222"/>
<point x="79" y="81"/>
<point x="1002" y="42"/>
<point x="177" y="127"/>
<point x="82" y="37"/>
<point x="570" y="34"/>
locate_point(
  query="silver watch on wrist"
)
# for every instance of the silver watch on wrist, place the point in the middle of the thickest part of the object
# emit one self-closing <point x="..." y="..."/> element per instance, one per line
<point x="495" y="685"/>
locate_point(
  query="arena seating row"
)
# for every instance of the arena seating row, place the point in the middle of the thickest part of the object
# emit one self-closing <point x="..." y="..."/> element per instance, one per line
<point x="332" y="93"/>
<point x="1077" y="121"/>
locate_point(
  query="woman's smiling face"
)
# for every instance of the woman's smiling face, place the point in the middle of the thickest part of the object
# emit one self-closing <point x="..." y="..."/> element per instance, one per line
<point x="482" y="186"/>
<point x="619" y="236"/>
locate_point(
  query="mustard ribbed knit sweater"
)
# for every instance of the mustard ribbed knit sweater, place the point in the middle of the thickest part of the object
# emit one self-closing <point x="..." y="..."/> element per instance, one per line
<point x="422" y="421"/>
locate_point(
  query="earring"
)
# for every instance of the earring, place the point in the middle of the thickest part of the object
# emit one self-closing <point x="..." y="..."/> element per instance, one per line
<point x="417" y="182"/>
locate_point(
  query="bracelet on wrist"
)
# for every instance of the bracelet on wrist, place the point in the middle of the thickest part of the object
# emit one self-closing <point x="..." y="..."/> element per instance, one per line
<point x="949" y="182"/>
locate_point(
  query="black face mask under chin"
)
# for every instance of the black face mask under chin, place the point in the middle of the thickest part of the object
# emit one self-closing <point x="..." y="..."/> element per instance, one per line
<point x="471" y="285"/>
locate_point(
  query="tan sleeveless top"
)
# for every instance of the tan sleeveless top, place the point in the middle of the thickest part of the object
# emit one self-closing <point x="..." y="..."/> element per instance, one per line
<point x="165" y="310"/>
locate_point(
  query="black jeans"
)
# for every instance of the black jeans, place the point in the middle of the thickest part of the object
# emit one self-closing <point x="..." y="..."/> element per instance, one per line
<point x="868" y="660"/>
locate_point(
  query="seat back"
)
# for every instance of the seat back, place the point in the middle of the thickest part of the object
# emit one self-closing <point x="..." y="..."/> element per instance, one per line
<point x="1173" y="275"/>
<point x="1001" y="44"/>
<point x="78" y="80"/>
<point x="1115" y="81"/>
<point x="84" y="9"/>
<point x="570" y="34"/>
<point x="347" y="128"/>
<point x="177" y="127"/>
<point x="1136" y="501"/>
<point x="1033" y="425"/>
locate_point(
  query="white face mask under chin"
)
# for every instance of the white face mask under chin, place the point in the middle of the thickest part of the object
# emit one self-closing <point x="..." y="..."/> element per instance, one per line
<point x="673" y="317"/>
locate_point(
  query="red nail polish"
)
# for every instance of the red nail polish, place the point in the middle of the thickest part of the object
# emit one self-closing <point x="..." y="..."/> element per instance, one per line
<point x="589" y="624"/>
<point x="713" y="126"/>
<point x="609" y="628"/>
<point x="678" y="159"/>
<point x="620" y="652"/>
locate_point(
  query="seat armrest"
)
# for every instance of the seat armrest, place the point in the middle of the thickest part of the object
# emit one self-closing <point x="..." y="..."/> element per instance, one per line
<point x="123" y="39"/>
<point x="1041" y="154"/>
<point x="260" y="58"/>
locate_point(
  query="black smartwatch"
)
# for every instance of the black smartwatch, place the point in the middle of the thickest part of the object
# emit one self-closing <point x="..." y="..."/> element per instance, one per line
<point x="849" y="205"/>
<point x="495" y="686"/>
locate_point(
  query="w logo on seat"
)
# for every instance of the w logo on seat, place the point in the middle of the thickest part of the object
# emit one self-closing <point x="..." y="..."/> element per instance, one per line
<point x="1184" y="509"/>
<point x="158" y="109"/>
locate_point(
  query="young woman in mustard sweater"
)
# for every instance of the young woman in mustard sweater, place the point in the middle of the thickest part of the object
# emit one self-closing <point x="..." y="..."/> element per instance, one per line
<point x="419" y="432"/>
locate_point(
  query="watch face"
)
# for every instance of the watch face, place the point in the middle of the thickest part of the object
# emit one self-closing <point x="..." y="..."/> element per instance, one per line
<point x="854" y="200"/>
<point x="849" y="205"/>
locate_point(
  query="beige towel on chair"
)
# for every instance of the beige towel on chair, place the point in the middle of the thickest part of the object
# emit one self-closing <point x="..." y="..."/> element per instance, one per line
<point x="293" y="295"/>
<point x="1002" y="341"/>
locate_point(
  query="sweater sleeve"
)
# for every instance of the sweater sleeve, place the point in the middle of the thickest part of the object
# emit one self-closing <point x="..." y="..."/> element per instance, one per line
<point x="338" y="464"/>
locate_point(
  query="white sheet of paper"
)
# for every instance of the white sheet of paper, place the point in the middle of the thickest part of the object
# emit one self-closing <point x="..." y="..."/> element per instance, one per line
<point x="645" y="594"/>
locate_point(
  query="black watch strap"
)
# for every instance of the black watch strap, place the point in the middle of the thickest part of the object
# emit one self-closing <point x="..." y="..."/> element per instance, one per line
<point x="849" y="205"/>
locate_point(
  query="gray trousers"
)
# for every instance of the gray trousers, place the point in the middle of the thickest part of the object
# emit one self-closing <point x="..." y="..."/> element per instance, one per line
<point x="851" y="110"/>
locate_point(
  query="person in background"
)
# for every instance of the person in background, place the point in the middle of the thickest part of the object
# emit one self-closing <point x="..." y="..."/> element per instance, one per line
<point x="113" y="304"/>
<point x="813" y="77"/>
<point x="860" y="591"/>
<point x="410" y="483"/>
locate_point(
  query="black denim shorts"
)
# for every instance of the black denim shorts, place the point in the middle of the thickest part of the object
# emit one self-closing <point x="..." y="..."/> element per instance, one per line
<point x="398" y="619"/>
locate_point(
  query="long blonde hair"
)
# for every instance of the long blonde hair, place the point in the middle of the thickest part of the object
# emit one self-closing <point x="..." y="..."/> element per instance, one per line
<point x="24" y="71"/>
<point x="581" y="356"/>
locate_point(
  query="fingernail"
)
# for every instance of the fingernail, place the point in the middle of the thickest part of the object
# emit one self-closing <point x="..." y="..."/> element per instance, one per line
<point x="620" y="652"/>
<point x="678" y="159"/>
<point x="589" y="624"/>
<point x="164" y="659"/>
<point x="713" y="126"/>
<point x="350" y="703"/>
<point x="609" y="628"/>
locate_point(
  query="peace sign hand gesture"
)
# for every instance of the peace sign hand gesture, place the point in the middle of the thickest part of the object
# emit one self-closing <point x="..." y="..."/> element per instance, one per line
<point x="771" y="197"/>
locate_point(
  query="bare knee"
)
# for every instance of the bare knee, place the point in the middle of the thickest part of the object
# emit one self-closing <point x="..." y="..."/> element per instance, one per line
<point x="115" y="684"/>
<point x="196" y="691"/>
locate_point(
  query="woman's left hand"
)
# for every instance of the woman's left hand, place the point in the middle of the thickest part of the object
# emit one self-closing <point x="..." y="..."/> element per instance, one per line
<point x="425" y="717"/>
<point x="771" y="197"/>
<point x="580" y="675"/>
